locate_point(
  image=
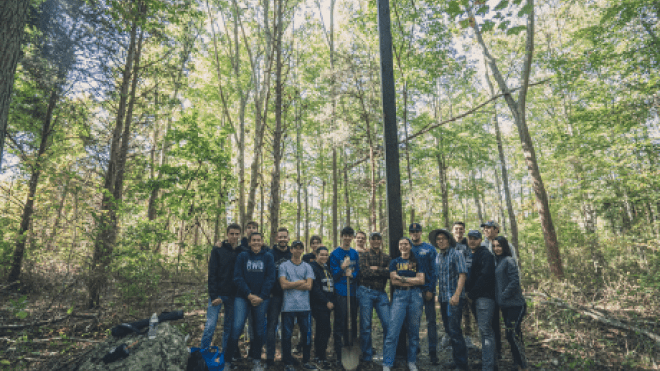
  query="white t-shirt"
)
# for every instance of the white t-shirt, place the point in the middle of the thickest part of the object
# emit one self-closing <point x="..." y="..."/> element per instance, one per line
<point x="296" y="300"/>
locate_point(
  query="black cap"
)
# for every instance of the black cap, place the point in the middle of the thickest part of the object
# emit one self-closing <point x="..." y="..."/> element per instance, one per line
<point x="296" y="243"/>
<point x="347" y="231"/>
<point x="491" y="223"/>
<point x="415" y="227"/>
<point x="375" y="235"/>
<point x="474" y="233"/>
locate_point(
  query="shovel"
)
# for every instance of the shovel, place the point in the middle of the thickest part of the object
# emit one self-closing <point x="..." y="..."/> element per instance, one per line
<point x="350" y="354"/>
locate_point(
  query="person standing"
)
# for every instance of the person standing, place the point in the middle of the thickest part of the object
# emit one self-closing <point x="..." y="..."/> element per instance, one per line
<point x="315" y="242"/>
<point x="374" y="273"/>
<point x="426" y="255"/>
<point x="322" y="303"/>
<point x="481" y="290"/>
<point x="250" y="227"/>
<point x="344" y="263"/>
<point x="221" y="286"/>
<point x="451" y="271"/>
<point x="280" y="253"/>
<point x="407" y="278"/>
<point x="510" y="299"/>
<point x="296" y="279"/>
<point x="254" y="276"/>
<point x="360" y="242"/>
<point x="458" y="231"/>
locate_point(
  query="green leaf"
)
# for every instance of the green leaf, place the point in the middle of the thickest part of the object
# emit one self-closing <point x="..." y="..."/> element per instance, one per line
<point x="503" y="4"/>
<point x="483" y="10"/>
<point x="22" y="314"/>
<point x="525" y="10"/>
<point x="5" y="362"/>
<point x="454" y="8"/>
<point x="515" y="30"/>
<point x="464" y="23"/>
<point x="488" y="26"/>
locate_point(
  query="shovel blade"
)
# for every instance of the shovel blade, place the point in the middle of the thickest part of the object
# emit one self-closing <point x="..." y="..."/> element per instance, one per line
<point x="350" y="357"/>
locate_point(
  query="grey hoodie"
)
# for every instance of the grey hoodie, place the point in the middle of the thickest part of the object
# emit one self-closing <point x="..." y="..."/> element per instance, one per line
<point x="508" y="292"/>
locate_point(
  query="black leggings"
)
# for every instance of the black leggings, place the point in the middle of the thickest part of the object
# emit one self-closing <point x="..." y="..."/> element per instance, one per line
<point x="513" y="317"/>
<point x="322" y="336"/>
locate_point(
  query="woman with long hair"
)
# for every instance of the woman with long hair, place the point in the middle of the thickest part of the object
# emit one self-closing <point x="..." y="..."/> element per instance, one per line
<point x="407" y="278"/>
<point x="510" y="299"/>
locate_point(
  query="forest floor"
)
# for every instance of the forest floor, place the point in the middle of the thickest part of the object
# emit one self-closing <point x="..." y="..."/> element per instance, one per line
<point x="45" y="326"/>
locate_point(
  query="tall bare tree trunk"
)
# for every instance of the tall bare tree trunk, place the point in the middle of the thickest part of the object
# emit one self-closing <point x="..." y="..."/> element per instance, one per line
<point x="278" y="132"/>
<point x="14" y="15"/>
<point x="28" y="208"/>
<point x="475" y="195"/>
<point x="347" y="200"/>
<point x="517" y="109"/>
<point x="107" y="225"/>
<point x="408" y="166"/>
<point x="513" y="223"/>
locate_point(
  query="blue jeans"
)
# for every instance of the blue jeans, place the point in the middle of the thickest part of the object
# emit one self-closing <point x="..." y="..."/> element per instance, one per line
<point x="369" y="299"/>
<point x="406" y="307"/>
<point x="451" y="317"/>
<point x="274" y="309"/>
<point x="303" y="319"/>
<point x="429" y="310"/>
<point x="242" y="308"/>
<point x="212" y="313"/>
<point x="484" y="309"/>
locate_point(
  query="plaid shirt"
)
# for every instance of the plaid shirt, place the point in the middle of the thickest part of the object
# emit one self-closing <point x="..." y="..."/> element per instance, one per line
<point x="448" y="266"/>
<point x="374" y="279"/>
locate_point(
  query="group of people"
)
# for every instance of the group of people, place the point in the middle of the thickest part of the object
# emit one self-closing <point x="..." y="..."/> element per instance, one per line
<point x="466" y="276"/>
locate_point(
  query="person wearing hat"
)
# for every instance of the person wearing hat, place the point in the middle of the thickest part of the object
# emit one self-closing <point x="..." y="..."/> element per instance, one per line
<point x="481" y="291"/>
<point x="322" y="298"/>
<point x="296" y="279"/>
<point x="492" y="230"/>
<point x="451" y="271"/>
<point x="374" y="268"/>
<point x="426" y="255"/>
<point x="344" y="262"/>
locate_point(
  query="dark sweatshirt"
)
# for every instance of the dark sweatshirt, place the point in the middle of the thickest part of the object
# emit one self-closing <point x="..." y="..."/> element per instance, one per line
<point x="320" y="297"/>
<point x="221" y="270"/>
<point x="481" y="283"/>
<point x="279" y="257"/>
<point x="254" y="274"/>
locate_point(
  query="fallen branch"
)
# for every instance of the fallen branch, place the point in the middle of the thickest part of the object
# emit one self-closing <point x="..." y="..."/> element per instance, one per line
<point x="80" y="340"/>
<point x="16" y="327"/>
<point x="599" y="317"/>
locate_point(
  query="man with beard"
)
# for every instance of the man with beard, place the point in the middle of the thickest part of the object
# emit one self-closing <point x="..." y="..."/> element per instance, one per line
<point x="281" y="253"/>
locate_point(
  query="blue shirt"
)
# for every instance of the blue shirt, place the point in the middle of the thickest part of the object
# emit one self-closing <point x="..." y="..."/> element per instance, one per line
<point x="296" y="300"/>
<point x="334" y="262"/>
<point x="448" y="266"/>
<point x="405" y="268"/>
<point x="426" y="254"/>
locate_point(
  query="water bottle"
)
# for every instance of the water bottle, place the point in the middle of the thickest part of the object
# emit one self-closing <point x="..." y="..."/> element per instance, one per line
<point x="153" y="324"/>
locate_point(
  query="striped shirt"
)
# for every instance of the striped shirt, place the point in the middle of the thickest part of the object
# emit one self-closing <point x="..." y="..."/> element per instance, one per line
<point x="448" y="266"/>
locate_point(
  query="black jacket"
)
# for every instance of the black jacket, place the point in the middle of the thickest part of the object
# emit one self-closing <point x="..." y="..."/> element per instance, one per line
<point x="318" y="298"/>
<point x="221" y="270"/>
<point x="279" y="257"/>
<point x="481" y="283"/>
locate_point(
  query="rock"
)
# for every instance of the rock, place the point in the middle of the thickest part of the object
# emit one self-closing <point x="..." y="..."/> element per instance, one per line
<point x="167" y="352"/>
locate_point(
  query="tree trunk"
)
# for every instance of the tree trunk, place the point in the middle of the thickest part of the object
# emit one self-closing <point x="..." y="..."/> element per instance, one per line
<point x="513" y="223"/>
<point x="107" y="225"/>
<point x="347" y="200"/>
<point x="14" y="15"/>
<point x="475" y="194"/>
<point x="58" y="216"/>
<point x="28" y="208"/>
<point x="274" y="206"/>
<point x="335" y="180"/>
<point x="411" y="199"/>
<point x="306" y="215"/>
<point x="518" y="112"/>
<point x="298" y="178"/>
<point x="444" y="189"/>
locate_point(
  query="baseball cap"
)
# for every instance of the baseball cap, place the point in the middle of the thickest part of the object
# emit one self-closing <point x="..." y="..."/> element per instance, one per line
<point x="490" y="223"/>
<point x="474" y="233"/>
<point x="375" y="235"/>
<point x="415" y="227"/>
<point x="297" y="243"/>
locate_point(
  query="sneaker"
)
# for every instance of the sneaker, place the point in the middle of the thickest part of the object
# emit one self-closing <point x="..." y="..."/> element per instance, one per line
<point x="445" y="341"/>
<point x="412" y="366"/>
<point x="450" y="364"/>
<point x="386" y="368"/>
<point x="257" y="366"/>
<point x="434" y="360"/>
<point x="227" y="366"/>
<point x="297" y="349"/>
<point x="290" y="368"/>
<point x="310" y="366"/>
<point x="322" y="364"/>
<point x="468" y="343"/>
